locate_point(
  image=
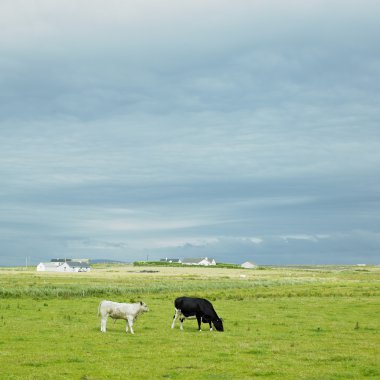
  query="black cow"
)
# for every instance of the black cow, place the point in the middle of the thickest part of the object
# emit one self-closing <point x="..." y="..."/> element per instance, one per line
<point x="199" y="308"/>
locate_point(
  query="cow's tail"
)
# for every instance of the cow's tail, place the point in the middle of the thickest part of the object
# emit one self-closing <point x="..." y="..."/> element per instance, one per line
<point x="99" y="308"/>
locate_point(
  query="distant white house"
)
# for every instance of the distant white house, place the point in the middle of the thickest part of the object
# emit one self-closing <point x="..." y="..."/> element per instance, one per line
<point x="205" y="261"/>
<point x="166" y="260"/>
<point x="248" y="265"/>
<point x="48" y="267"/>
<point x="63" y="266"/>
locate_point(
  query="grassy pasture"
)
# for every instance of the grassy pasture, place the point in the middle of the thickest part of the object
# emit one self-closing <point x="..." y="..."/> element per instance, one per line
<point x="280" y="323"/>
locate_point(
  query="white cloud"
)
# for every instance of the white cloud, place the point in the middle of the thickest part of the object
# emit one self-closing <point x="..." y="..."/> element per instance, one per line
<point x="256" y="240"/>
<point x="138" y="225"/>
<point x="300" y="237"/>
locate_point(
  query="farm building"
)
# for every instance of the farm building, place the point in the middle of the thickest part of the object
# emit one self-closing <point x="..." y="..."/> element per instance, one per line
<point x="63" y="266"/>
<point x="166" y="260"/>
<point x="205" y="261"/>
<point x="248" y="265"/>
<point x="48" y="267"/>
<point x="76" y="266"/>
<point x="87" y="261"/>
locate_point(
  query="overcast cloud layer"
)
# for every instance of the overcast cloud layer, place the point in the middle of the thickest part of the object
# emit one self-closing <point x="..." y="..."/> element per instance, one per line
<point x="240" y="130"/>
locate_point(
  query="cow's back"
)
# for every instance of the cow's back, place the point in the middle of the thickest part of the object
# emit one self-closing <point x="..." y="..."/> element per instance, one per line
<point x="186" y="303"/>
<point x="195" y="305"/>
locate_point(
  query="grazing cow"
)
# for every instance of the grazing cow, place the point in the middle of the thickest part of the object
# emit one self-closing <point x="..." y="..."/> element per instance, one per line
<point x="116" y="310"/>
<point x="199" y="308"/>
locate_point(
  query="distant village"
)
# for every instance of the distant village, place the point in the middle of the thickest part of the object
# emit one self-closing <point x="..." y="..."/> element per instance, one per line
<point x="83" y="265"/>
<point x="65" y="265"/>
<point x="204" y="261"/>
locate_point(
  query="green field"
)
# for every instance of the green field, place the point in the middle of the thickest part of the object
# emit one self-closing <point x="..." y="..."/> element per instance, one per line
<point x="280" y="323"/>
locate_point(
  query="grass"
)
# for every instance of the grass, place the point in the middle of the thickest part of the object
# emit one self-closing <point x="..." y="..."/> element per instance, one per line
<point x="280" y="323"/>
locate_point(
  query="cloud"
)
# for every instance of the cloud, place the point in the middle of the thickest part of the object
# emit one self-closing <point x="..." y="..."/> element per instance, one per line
<point x="352" y="248"/>
<point x="139" y="125"/>
<point x="117" y="58"/>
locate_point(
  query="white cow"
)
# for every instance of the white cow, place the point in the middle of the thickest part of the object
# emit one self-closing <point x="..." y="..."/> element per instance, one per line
<point x="116" y="310"/>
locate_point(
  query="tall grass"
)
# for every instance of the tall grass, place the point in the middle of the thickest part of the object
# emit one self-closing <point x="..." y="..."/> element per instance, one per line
<point x="37" y="286"/>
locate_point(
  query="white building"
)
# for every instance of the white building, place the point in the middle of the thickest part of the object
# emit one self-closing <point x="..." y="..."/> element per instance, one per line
<point x="66" y="266"/>
<point x="47" y="267"/>
<point x="166" y="260"/>
<point x="248" y="265"/>
<point x="205" y="261"/>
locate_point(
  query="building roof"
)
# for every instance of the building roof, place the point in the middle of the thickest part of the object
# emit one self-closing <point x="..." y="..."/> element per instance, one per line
<point x="59" y="260"/>
<point x="75" y="264"/>
<point x="190" y="260"/>
<point x="170" y="260"/>
<point x="196" y="260"/>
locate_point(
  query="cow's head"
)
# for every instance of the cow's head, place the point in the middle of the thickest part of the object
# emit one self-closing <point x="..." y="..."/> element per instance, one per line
<point x="143" y="306"/>
<point x="218" y="323"/>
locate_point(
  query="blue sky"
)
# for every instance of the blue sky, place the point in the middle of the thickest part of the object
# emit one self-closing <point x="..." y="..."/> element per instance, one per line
<point x="240" y="130"/>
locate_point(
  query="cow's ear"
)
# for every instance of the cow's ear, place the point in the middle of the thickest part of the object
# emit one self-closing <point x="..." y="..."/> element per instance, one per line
<point x="141" y="303"/>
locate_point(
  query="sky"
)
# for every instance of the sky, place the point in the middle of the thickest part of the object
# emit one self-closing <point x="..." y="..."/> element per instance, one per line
<point x="142" y="129"/>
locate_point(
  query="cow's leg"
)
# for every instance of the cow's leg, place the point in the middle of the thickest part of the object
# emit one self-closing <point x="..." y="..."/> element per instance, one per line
<point x="130" y="322"/>
<point x="210" y="326"/>
<point x="126" y="326"/>
<point x="175" y="318"/>
<point x="199" y="320"/>
<point x="181" y="323"/>
<point x="103" y="324"/>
